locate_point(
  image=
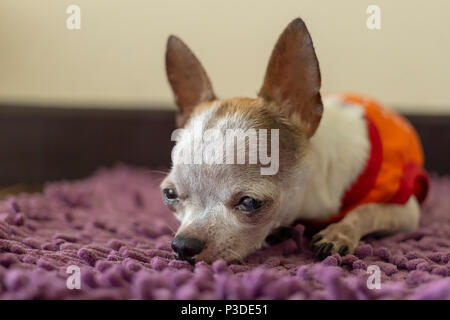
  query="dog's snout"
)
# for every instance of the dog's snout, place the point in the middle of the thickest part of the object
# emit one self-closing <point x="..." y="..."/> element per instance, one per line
<point x="186" y="248"/>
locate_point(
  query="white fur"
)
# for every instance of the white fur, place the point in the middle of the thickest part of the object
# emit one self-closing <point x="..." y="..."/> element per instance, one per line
<point x="338" y="153"/>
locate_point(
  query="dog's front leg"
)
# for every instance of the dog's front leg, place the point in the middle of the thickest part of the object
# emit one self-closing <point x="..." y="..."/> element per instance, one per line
<point x="343" y="237"/>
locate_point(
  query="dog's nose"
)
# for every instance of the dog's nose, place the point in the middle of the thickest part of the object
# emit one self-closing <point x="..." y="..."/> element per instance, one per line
<point x="186" y="248"/>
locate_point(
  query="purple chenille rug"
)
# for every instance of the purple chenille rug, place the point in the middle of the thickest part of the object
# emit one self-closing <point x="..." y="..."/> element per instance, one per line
<point x="115" y="227"/>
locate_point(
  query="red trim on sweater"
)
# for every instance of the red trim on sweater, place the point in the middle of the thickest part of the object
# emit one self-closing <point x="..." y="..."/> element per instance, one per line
<point x="368" y="176"/>
<point x="415" y="181"/>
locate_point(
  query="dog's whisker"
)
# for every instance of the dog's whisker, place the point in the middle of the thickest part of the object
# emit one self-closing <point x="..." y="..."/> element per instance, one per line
<point x="171" y="229"/>
<point x="235" y="255"/>
<point x="158" y="171"/>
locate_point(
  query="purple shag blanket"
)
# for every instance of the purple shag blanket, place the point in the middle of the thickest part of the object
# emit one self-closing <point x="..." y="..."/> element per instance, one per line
<point x="115" y="227"/>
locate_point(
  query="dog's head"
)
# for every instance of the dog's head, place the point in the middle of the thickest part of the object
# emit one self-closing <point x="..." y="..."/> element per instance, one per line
<point x="228" y="195"/>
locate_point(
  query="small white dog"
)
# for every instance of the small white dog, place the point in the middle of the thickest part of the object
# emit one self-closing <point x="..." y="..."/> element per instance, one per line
<point x="346" y="164"/>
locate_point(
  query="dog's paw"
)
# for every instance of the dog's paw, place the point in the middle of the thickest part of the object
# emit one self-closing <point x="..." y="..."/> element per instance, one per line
<point x="336" y="238"/>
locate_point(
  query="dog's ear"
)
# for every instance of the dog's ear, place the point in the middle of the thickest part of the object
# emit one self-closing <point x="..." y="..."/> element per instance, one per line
<point x="292" y="78"/>
<point x="188" y="79"/>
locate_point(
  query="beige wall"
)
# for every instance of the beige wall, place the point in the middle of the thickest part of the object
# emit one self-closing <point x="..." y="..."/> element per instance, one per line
<point x="116" y="58"/>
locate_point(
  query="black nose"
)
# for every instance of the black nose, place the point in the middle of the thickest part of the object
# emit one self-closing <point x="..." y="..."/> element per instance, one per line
<point x="186" y="248"/>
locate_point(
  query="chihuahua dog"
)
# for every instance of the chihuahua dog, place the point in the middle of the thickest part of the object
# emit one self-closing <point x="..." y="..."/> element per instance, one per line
<point x="346" y="165"/>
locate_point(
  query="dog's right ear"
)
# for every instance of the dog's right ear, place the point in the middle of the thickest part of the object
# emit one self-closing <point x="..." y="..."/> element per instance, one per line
<point x="188" y="79"/>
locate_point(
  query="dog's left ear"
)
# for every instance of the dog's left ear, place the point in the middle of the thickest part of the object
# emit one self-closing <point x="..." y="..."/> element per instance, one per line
<point x="188" y="79"/>
<point x="292" y="78"/>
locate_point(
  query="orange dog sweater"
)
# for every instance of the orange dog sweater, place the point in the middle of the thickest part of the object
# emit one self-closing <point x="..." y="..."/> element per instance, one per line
<point x="394" y="169"/>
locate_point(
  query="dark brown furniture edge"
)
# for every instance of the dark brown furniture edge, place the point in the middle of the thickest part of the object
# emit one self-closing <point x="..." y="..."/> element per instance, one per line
<point x="41" y="144"/>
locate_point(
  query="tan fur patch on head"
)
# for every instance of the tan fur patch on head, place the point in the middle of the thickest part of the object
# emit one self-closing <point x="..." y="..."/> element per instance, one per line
<point x="260" y="114"/>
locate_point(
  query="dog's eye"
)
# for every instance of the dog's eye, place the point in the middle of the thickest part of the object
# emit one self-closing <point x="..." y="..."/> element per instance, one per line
<point x="248" y="204"/>
<point x="170" y="196"/>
